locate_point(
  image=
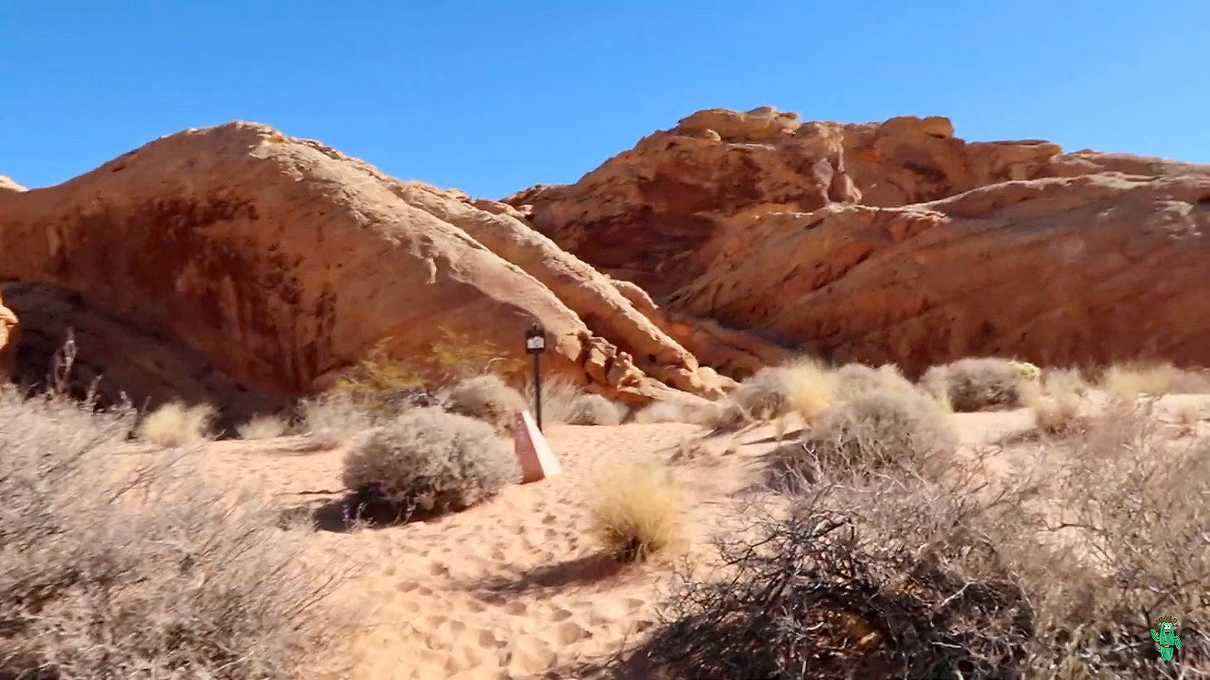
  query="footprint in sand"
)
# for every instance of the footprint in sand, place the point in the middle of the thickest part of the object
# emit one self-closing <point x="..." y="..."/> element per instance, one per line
<point x="530" y="655"/>
<point x="569" y="632"/>
<point x="488" y="640"/>
<point x="560" y="614"/>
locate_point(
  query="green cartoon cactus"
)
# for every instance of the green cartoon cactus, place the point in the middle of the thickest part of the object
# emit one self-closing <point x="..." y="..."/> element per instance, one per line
<point x="1166" y="640"/>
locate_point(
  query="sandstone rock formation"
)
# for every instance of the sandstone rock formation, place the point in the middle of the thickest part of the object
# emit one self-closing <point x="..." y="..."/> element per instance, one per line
<point x="894" y="242"/>
<point x="276" y="261"/>
<point x="7" y="184"/>
<point x="119" y="358"/>
<point x="8" y="341"/>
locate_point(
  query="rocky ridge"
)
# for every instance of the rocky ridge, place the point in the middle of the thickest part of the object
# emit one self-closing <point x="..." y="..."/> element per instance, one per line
<point x="280" y="261"/>
<point x="895" y="241"/>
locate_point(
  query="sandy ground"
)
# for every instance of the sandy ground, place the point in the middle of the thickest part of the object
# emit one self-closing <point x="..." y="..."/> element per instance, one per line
<point x="514" y="588"/>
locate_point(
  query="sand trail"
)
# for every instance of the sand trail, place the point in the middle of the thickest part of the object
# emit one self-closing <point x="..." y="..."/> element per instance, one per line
<point x="516" y="587"/>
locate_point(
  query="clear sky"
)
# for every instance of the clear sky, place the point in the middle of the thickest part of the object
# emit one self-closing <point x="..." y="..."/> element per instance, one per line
<point x="493" y="96"/>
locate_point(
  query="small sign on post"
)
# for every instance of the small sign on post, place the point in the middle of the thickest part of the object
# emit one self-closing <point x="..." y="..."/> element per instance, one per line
<point x="535" y="344"/>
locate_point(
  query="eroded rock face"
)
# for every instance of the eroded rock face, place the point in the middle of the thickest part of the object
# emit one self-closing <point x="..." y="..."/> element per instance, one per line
<point x="894" y="242"/>
<point x="8" y="341"/>
<point x="117" y="358"/>
<point x="280" y="261"/>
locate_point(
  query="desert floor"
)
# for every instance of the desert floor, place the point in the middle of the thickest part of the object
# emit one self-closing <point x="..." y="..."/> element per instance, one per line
<point x="515" y="587"/>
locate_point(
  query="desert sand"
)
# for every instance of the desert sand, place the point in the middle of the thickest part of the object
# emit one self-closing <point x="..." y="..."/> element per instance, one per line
<point x="516" y="587"/>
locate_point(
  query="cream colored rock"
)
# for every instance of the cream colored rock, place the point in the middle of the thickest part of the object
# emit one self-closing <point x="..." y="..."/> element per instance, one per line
<point x="9" y="328"/>
<point x="7" y="184"/>
<point x="280" y="260"/>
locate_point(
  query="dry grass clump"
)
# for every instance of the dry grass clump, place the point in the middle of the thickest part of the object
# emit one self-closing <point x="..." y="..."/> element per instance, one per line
<point x="979" y="384"/>
<point x="802" y="386"/>
<point x="593" y="409"/>
<point x="487" y="398"/>
<point x="114" y="572"/>
<point x="855" y="379"/>
<point x="1065" y="381"/>
<point x="429" y="460"/>
<point x="263" y="427"/>
<point x="175" y="424"/>
<point x="1057" y="400"/>
<point x="559" y="394"/>
<point x="565" y="402"/>
<point x="878" y="428"/>
<point x="640" y="509"/>
<point x="1055" y="414"/>
<point x="1129" y="380"/>
<point x="664" y="412"/>
<point x="334" y="416"/>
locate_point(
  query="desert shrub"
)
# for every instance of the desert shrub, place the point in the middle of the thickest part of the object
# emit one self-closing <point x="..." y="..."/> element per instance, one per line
<point x="640" y="509"/>
<point x="565" y="402"/>
<point x="1129" y="380"/>
<point x="663" y="412"/>
<point x="384" y="385"/>
<point x="429" y="460"/>
<point x="801" y="386"/>
<point x="334" y="417"/>
<point x="1057" y="413"/>
<point x="456" y="356"/>
<point x="487" y="398"/>
<point x="263" y="427"/>
<point x="1129" y="543"/>
<point x="114" y="570"/>
<point x="1057" y="401"/>
<point x="875" y="429"/>
<point x="882" y="576"/>
<point x="379" y="383"/>
<point x="855" y="379"/>
<point x="1065" y="381"/>
<point x="175" y="424"/>
<point x="1057" y="571"/>
<point x="559" y="394"/>
<point x="979" y="384"/>
<point x="593" y="409"/>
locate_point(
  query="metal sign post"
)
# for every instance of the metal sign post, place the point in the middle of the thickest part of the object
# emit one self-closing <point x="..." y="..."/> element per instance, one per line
<point x="535" y="344"/>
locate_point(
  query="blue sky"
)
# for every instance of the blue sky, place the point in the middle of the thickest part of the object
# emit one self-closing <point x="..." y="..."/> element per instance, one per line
<point x="495" y="96"/>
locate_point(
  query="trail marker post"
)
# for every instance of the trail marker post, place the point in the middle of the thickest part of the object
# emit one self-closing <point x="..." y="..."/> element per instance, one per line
<point x="535" y="344"/>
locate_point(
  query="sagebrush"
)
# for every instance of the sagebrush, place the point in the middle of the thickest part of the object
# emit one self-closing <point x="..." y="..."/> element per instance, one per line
<point x="116" y="570"/>
<point x="979" y="384"/>
<point x="874" y="429"/>
<point x="1057" y="570"/>
<point x="429" y="460"/>
<point x="487" y="398"/>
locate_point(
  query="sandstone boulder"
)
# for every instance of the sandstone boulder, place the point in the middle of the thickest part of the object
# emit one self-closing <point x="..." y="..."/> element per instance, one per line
<point x="278" y="261"/>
